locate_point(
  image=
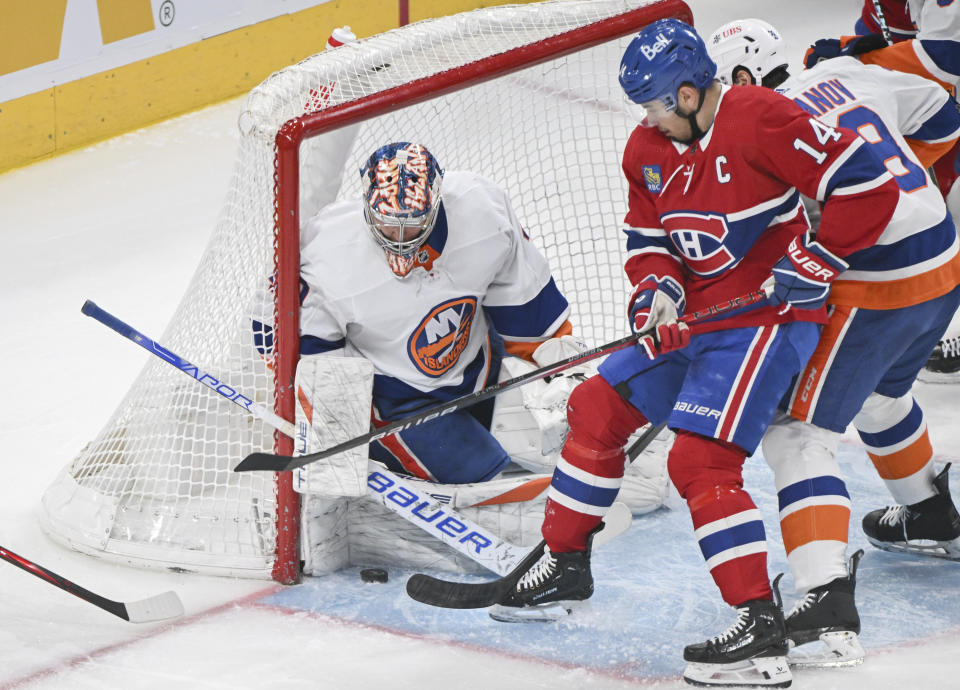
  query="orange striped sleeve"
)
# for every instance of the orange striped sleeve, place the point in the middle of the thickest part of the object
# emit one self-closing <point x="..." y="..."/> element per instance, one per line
<point x="930" y="153"/>
<point x="525" y="350"/>
<point x="903" y="58"/>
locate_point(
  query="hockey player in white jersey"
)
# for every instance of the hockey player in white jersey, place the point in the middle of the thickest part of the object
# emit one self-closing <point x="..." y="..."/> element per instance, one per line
<point x="434" y="291"/>
<point x="887" y="312"/>
<point x="926" y="38"/>
<point x="432" y="279"/>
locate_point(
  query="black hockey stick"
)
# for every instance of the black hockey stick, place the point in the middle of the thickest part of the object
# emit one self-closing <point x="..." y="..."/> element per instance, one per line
<point x="156" y="608"/>
<point x="282" y="463"/>
<point x="882" y="21"/>
<point x="480" y="595"/>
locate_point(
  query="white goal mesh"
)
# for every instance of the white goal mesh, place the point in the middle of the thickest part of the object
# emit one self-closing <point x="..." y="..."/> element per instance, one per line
<point x="156" y="486"/>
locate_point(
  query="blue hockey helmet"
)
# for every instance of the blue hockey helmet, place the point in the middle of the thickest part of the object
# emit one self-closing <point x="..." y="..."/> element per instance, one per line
<point x="661" y="58"/>
<point x="401" y="199"/>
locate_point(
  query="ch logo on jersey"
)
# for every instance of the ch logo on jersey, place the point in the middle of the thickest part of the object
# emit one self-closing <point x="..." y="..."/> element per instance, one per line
<point x="436" y="344"/>
<point x="701" y="239"/>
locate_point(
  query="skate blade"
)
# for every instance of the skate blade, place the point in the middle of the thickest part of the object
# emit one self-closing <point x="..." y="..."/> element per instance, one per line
<point x="760" y="672"/>
<point x="948" y="550"/>
<point x="843" y="648"/>
<point x="543" y="613"/>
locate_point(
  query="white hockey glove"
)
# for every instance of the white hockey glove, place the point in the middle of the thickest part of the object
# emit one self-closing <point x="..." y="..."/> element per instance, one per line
<point x="556" y="349"/>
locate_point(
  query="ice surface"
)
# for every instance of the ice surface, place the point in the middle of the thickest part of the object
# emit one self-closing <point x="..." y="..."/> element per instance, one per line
<point x="124" y="223"/>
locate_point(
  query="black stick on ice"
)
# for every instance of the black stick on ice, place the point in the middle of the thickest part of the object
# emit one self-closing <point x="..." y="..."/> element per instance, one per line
<point x="156" y="608"/>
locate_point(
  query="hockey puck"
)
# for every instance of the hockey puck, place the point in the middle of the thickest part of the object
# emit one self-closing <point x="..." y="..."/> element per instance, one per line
<point x="373" y="575"/>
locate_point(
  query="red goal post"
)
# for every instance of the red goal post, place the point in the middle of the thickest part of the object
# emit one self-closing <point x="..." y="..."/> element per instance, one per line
<point x="523" y="94"/>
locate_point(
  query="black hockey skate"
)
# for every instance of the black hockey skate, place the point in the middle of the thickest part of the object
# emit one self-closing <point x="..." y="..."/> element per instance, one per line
<point x="828" y="613"/>
<point x="751" y="653"/>
<point x="930" y="527"/>
<point x="552" y="588"/>
<point x="943" y="366"/>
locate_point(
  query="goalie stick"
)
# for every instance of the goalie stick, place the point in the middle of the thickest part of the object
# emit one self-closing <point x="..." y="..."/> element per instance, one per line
<point x="401" y="496"/>
<point x="281" y="463"/>
<point x="480" y="595"/>
<point x="156" y="608"/>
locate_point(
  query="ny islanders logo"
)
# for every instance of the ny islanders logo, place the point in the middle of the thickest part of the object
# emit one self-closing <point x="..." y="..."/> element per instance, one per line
<point x="701" y="239"/>
<point x="436" y="344"/>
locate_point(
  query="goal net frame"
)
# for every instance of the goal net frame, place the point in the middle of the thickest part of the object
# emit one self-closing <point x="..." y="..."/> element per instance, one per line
<point x="85" y="517"/>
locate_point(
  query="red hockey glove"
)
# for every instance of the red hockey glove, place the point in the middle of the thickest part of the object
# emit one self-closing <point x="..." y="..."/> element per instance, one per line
<point x="674" y="335"/>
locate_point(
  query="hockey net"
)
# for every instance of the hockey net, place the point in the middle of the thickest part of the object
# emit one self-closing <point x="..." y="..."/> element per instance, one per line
<point x="523" y="94"/>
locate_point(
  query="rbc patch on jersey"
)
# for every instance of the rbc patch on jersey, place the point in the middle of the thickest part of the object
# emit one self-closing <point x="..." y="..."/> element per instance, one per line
<point x="651" y="176"/>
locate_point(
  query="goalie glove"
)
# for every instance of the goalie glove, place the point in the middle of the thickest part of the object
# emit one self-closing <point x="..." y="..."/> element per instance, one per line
<point x="828" y="48"/>
<point x="556" y="349"/>
<point x="803" y="276"/>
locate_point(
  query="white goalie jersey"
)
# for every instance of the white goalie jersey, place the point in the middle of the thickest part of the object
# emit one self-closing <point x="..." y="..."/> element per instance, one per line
<point x="429" y="331"/>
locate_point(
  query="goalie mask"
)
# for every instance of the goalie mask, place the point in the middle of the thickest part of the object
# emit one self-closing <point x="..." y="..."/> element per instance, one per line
<point x="747" y="46"/>
<point x="401" y="199"/>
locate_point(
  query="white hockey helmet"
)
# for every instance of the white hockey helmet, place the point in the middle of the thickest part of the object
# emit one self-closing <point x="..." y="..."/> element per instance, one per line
<point x="750" y="44"/>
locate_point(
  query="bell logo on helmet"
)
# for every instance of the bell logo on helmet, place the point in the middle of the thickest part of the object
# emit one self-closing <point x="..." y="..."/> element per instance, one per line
<point x="651" y="51"/>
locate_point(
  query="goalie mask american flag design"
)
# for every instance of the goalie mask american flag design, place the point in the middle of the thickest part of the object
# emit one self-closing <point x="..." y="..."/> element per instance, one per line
<point x="401" y="199"/>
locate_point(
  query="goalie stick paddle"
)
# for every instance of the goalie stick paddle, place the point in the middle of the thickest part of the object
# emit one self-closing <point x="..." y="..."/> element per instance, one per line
<point x="478" y="595"/>
<point x="156" y="608"/>
<point x="282" y="463"/>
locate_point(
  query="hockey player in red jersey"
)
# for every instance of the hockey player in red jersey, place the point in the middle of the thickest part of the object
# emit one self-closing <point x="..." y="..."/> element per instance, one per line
<point x="715" y="176"/>
<point x="888" y="310"/>
<point x="882" y="17"/>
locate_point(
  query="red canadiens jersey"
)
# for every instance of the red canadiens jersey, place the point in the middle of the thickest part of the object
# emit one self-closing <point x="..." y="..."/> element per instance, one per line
<point x="895" y="14"/>
<point x="935" y="51"/>
<point x="719" y="214"/>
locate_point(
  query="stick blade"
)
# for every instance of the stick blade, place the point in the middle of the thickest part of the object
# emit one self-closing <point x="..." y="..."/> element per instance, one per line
<point x="157" y="608"/>
<point x="617" y="520"/>
<point x="455" y="595"/>
<point x="267" y="462"/>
